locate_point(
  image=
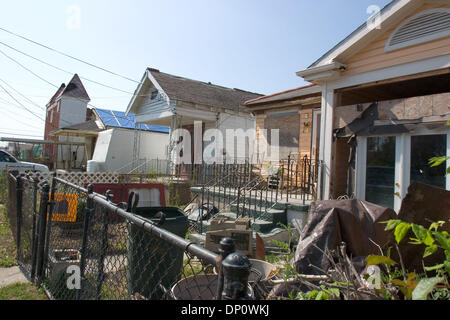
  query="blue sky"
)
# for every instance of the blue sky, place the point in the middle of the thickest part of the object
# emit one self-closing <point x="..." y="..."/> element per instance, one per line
<point x="255" y="45"/>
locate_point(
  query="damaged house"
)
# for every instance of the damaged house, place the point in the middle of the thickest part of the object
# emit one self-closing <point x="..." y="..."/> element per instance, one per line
<point x="385" y="104"/>
<point x="179" y="103"/>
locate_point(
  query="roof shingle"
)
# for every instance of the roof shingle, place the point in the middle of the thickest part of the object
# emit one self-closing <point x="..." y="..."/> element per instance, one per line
<point x="75" y="89"/>
<point x="183" y="89"/>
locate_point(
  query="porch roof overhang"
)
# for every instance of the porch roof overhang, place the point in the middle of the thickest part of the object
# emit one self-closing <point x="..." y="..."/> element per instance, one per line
<point x="396" y="129"/>
<point x="368" y="125"/>
<point x="187" y="115"/>
<point x="33" y="141"/>
<point x="75" y="133"/>
<point x="327" y="66"/>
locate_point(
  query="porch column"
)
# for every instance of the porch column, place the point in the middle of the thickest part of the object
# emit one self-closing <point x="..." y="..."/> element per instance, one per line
<point x="172" y="144"/>
<point x="326" y="141"/>
<point x="402" y="169"/>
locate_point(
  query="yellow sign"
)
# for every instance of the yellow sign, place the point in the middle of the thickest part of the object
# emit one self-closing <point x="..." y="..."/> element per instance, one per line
<point x="65" y="208"/>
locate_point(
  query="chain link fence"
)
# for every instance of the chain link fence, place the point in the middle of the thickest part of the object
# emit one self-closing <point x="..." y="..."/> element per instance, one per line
<point x="79" y="245"/>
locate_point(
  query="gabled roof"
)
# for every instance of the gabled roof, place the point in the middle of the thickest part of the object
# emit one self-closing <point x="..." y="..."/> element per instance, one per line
<point x="366" y="32"/>
<point x="286" y="95"/>
<point x="118" y="119"/>
<point x="75" y="89"/>
<point x="183" y="89"/>
<point x="176" y="88"/>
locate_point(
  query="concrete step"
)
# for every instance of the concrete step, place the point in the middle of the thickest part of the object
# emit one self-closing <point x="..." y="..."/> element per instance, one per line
<point x="274" y="216"/>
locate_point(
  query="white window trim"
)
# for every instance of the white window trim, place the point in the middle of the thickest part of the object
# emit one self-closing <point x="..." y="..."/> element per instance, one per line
<point x="402" y="169"/>
<point x="424" y="39"/>
<point x="402" y="164"/>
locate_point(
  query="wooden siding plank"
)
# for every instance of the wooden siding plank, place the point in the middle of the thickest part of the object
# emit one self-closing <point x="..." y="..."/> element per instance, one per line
<point x="373" y="56"/>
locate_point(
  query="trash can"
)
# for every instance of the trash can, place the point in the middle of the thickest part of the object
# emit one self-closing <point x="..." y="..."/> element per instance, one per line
<point x="151" y="261"/>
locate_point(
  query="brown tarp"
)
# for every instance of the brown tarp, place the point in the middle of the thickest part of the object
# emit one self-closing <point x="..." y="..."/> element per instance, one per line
<point x="332" y="222"/>
<point x="423" y="205"/>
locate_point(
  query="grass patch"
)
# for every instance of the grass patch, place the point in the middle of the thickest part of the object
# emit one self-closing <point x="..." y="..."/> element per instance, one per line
<point x="22" y="291"/>
<point x="7" y="245"/>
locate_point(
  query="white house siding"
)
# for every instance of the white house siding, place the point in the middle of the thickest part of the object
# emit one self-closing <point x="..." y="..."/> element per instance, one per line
<point x="153" y="145"/>
<point x="73" y="111"/>
<point x="114" y="148"/>
<point x="149" y="109"/>
<point x="234" y="122"/>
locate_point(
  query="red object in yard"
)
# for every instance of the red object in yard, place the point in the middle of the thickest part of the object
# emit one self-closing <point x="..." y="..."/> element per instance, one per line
<point x="122" y="191"/>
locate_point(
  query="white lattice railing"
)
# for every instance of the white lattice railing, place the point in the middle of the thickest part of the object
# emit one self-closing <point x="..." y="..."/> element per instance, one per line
<point x="78" y="178"/>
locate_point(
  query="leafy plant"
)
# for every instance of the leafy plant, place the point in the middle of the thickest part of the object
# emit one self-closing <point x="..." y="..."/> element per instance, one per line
<point x="287" y="246"/>
<point x="433" y="240"/>
<point x="437" y="161"/>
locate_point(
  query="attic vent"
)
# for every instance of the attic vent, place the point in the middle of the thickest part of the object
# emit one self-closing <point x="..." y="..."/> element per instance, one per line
<point x="423" y="27"/>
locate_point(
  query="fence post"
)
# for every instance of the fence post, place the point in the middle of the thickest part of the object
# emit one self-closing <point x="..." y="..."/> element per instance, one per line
<point x="288" y="178"/>
<point x="50" y="217"/>
<point x="236" y="269"/>
<point x="88" y="211"/>
<point x="34" y="230"/>
<point x="19" y="197"/>
<point x="104" y="248"/>
<point x="42" y="223"/>
<point x="226" y="248"/>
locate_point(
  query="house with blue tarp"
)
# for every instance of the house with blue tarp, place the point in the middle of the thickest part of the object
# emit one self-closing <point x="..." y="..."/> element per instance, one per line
<point x="115" y="143"/>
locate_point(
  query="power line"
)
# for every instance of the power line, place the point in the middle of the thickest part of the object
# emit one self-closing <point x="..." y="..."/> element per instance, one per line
<point x="21" y="120"/>
<point x="67" y="55"/>
<point x="36" y="75"/>
<point x="21" y="135"/>
<point x="23" y="96"/>
<point x="21" y="103"/>
<point x="65" y="71"/>
<point x="21" y="131"/>
<point x="41" y="78"/>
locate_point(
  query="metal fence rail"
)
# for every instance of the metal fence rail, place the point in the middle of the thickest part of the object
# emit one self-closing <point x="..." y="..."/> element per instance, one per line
<point x="80" y="246"/>
<point x="250" y="190"/>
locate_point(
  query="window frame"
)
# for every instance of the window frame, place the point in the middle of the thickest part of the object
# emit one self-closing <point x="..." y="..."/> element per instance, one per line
<point x="402" y="163"/>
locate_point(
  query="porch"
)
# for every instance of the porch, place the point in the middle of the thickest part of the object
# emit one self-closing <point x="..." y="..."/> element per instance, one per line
<point x="385" y="136"/>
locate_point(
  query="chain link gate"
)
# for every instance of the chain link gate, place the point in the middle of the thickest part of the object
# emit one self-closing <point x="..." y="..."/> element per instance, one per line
<point x="80" y="246"/>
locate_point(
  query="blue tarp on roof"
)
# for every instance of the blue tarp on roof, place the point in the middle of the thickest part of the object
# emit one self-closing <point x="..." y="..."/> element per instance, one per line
<point x="118" y="119"/>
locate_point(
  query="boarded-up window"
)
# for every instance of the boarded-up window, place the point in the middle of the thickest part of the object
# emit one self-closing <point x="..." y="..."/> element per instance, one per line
<point x="288" y="124"/>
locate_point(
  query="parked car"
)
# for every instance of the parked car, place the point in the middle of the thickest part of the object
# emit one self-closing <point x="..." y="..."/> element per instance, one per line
<point x="7" y="160"/>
